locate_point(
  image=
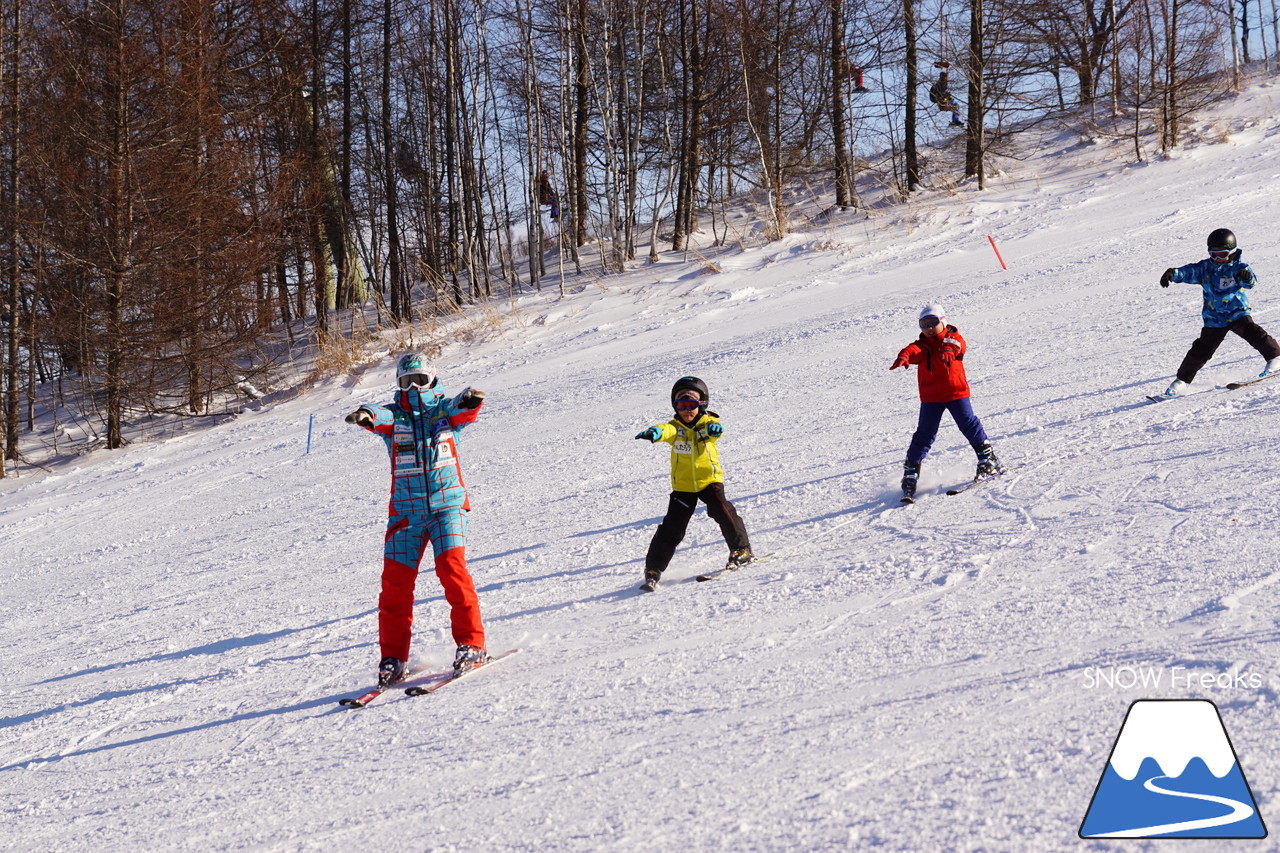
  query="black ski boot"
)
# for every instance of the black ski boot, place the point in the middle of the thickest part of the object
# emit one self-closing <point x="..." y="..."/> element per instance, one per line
<point x="650" y="580"/>
<point x="468" y="658"/>
<point x="910" y="476"/>
<point x="738" y="559"/>
<point x="988" y="464"/>
<point x="390" y="671"/>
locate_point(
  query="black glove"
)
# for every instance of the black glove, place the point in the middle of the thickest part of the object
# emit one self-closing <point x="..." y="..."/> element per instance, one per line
<point x="361" y="417"/>
<point x="1244" y="275"/>
<point x="470" y="399"/>
<point x="1167" y="277"/>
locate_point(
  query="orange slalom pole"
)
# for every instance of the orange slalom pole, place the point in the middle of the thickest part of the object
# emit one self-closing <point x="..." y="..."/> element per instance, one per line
<point x="997" y="251"/>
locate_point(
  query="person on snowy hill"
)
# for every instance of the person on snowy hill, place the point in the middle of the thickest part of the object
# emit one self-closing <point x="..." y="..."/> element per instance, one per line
<point x="428" y="504"/>
<point x="939" y="353"/>
<point x="695" y="476"/>
<point x="1224" y="278"/>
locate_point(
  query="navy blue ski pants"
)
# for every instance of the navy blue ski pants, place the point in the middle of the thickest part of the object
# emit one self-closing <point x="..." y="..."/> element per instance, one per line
<point x="931" y="419"/>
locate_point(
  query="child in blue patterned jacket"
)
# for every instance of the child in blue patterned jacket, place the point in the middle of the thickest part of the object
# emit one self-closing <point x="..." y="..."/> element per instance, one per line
<point x="1225" y="278"/>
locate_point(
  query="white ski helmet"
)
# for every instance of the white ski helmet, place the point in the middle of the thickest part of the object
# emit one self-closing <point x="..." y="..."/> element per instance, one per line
<point x="934" y="309"/>
<point x="415" y="371"/>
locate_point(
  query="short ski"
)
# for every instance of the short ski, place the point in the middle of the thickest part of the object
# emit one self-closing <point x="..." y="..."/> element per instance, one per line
<point x="710" y="576"/>
<point x="365" y="698"/>
<point x="1254" y="381"/>
<point x="978" y="481"/>
<point x="1230" y="386"/>
<point x="424" y="689"/>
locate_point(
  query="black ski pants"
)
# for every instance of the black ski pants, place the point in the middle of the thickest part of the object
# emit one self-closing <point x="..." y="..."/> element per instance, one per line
<point x="1211" y="338"/>
<point x="679" y="510"/>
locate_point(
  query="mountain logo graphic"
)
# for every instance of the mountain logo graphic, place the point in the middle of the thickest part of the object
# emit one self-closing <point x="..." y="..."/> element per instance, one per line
<point x="1173" y="774"/>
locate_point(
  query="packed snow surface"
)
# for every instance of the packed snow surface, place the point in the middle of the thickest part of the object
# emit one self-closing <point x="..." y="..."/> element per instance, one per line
<point x="181" y="617"/>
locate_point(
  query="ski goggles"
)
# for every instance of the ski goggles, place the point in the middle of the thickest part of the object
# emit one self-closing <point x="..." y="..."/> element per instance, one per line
<point x="687" y="404"/>
<point x="929" y="322"/>
<point x="1221" y="255"/>
<point x="416" y="380"/>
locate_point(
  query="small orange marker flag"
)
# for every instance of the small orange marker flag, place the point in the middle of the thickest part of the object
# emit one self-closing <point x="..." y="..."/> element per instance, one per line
<point x="997" y="251"/>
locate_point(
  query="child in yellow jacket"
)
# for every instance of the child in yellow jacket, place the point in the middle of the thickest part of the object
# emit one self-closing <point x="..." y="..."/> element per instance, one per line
<point x="695" y="475"/>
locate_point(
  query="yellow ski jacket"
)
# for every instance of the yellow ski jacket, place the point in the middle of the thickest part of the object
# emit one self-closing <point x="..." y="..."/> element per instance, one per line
<point x="695" y="463"/>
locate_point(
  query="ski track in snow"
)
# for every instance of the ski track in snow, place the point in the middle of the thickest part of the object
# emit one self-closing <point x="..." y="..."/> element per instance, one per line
<point x="180" y="618"/>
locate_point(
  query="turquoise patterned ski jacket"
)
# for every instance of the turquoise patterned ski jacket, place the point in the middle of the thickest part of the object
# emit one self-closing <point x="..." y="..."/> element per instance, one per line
<point x="420" y="429"/>
<point x="1225" y="300"/>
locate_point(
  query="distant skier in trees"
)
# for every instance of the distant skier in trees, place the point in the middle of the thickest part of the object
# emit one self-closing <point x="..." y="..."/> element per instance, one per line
<point x="939" y="353"/>
<point x="940" y="94"/>
<point x="547" y="196"/>
<point x="407" y="162"/>
<point x="695" y="475"/>
<point x="1224" y="278"/>
<point x="429" y="504"/>
<point x="853" y="71"/>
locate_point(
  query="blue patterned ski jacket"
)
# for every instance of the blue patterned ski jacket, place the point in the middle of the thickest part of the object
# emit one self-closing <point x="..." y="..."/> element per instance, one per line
<point x="420" y="429"/>
<point x="1225" y="300"/>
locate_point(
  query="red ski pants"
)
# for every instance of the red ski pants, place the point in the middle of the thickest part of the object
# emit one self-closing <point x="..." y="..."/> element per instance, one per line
<point x="399" y="577"/>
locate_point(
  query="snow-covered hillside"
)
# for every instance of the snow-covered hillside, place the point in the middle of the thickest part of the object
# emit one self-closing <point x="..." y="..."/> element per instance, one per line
<point x="179" y="618"/>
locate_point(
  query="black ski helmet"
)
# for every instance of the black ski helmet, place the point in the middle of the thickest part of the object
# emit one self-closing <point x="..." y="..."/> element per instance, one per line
<point x="691" y="383"/>
<point x="1222" y="240"/>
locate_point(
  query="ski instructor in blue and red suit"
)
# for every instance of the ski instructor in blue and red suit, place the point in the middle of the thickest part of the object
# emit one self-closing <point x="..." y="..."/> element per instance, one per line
<point x="428" y="505"/>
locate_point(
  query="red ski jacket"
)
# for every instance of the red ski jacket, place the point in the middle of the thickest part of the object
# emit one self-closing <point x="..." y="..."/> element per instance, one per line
<point x="941" y="361"/>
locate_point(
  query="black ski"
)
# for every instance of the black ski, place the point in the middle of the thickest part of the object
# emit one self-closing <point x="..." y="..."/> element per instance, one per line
<point x="978" y="481"/>
<point x="1254" y="381"/>
<point x="710" y="576"/>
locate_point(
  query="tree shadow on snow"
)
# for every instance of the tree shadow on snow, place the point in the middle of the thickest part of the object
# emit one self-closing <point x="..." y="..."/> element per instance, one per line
<point x="217" y="647"/>
<point x="318" y="702"/>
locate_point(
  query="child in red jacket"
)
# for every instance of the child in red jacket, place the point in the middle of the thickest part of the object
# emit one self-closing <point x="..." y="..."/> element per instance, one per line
<point x="939" y="353"/>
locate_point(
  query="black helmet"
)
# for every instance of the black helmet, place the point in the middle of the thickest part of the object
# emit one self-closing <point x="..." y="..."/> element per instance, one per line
<point x="1222" y="240"/>
<point x="691" y="383"/>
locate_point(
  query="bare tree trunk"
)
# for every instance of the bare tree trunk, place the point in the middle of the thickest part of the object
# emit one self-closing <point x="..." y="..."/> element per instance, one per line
<point x="14" y="280"/>
<point x="974" y="154"/>
<point x="316" y="157"/>
<point x="913" y="83"/>
<point x="1275" y="34"/>
<point x="1169" y="133"/>
<point x="1244" y="31"/>
<point x="1262" y="32"/>
<point x="839" y="129"/>
<point x="580" y="90"/>
<point x="400" y="307"/>
<point x="119" y="224"/>
<point x="347" y="292"/>
<point x="690" y="158"/>
<point x="1235" y="47"/>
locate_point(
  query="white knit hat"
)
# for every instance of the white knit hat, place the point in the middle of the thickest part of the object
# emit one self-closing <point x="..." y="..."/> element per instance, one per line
<point x="933" y="309"/>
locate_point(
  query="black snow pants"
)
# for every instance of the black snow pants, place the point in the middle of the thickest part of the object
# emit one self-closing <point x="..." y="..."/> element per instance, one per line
<point x="1211" y="338"/>
<point x="679" y="510"/>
